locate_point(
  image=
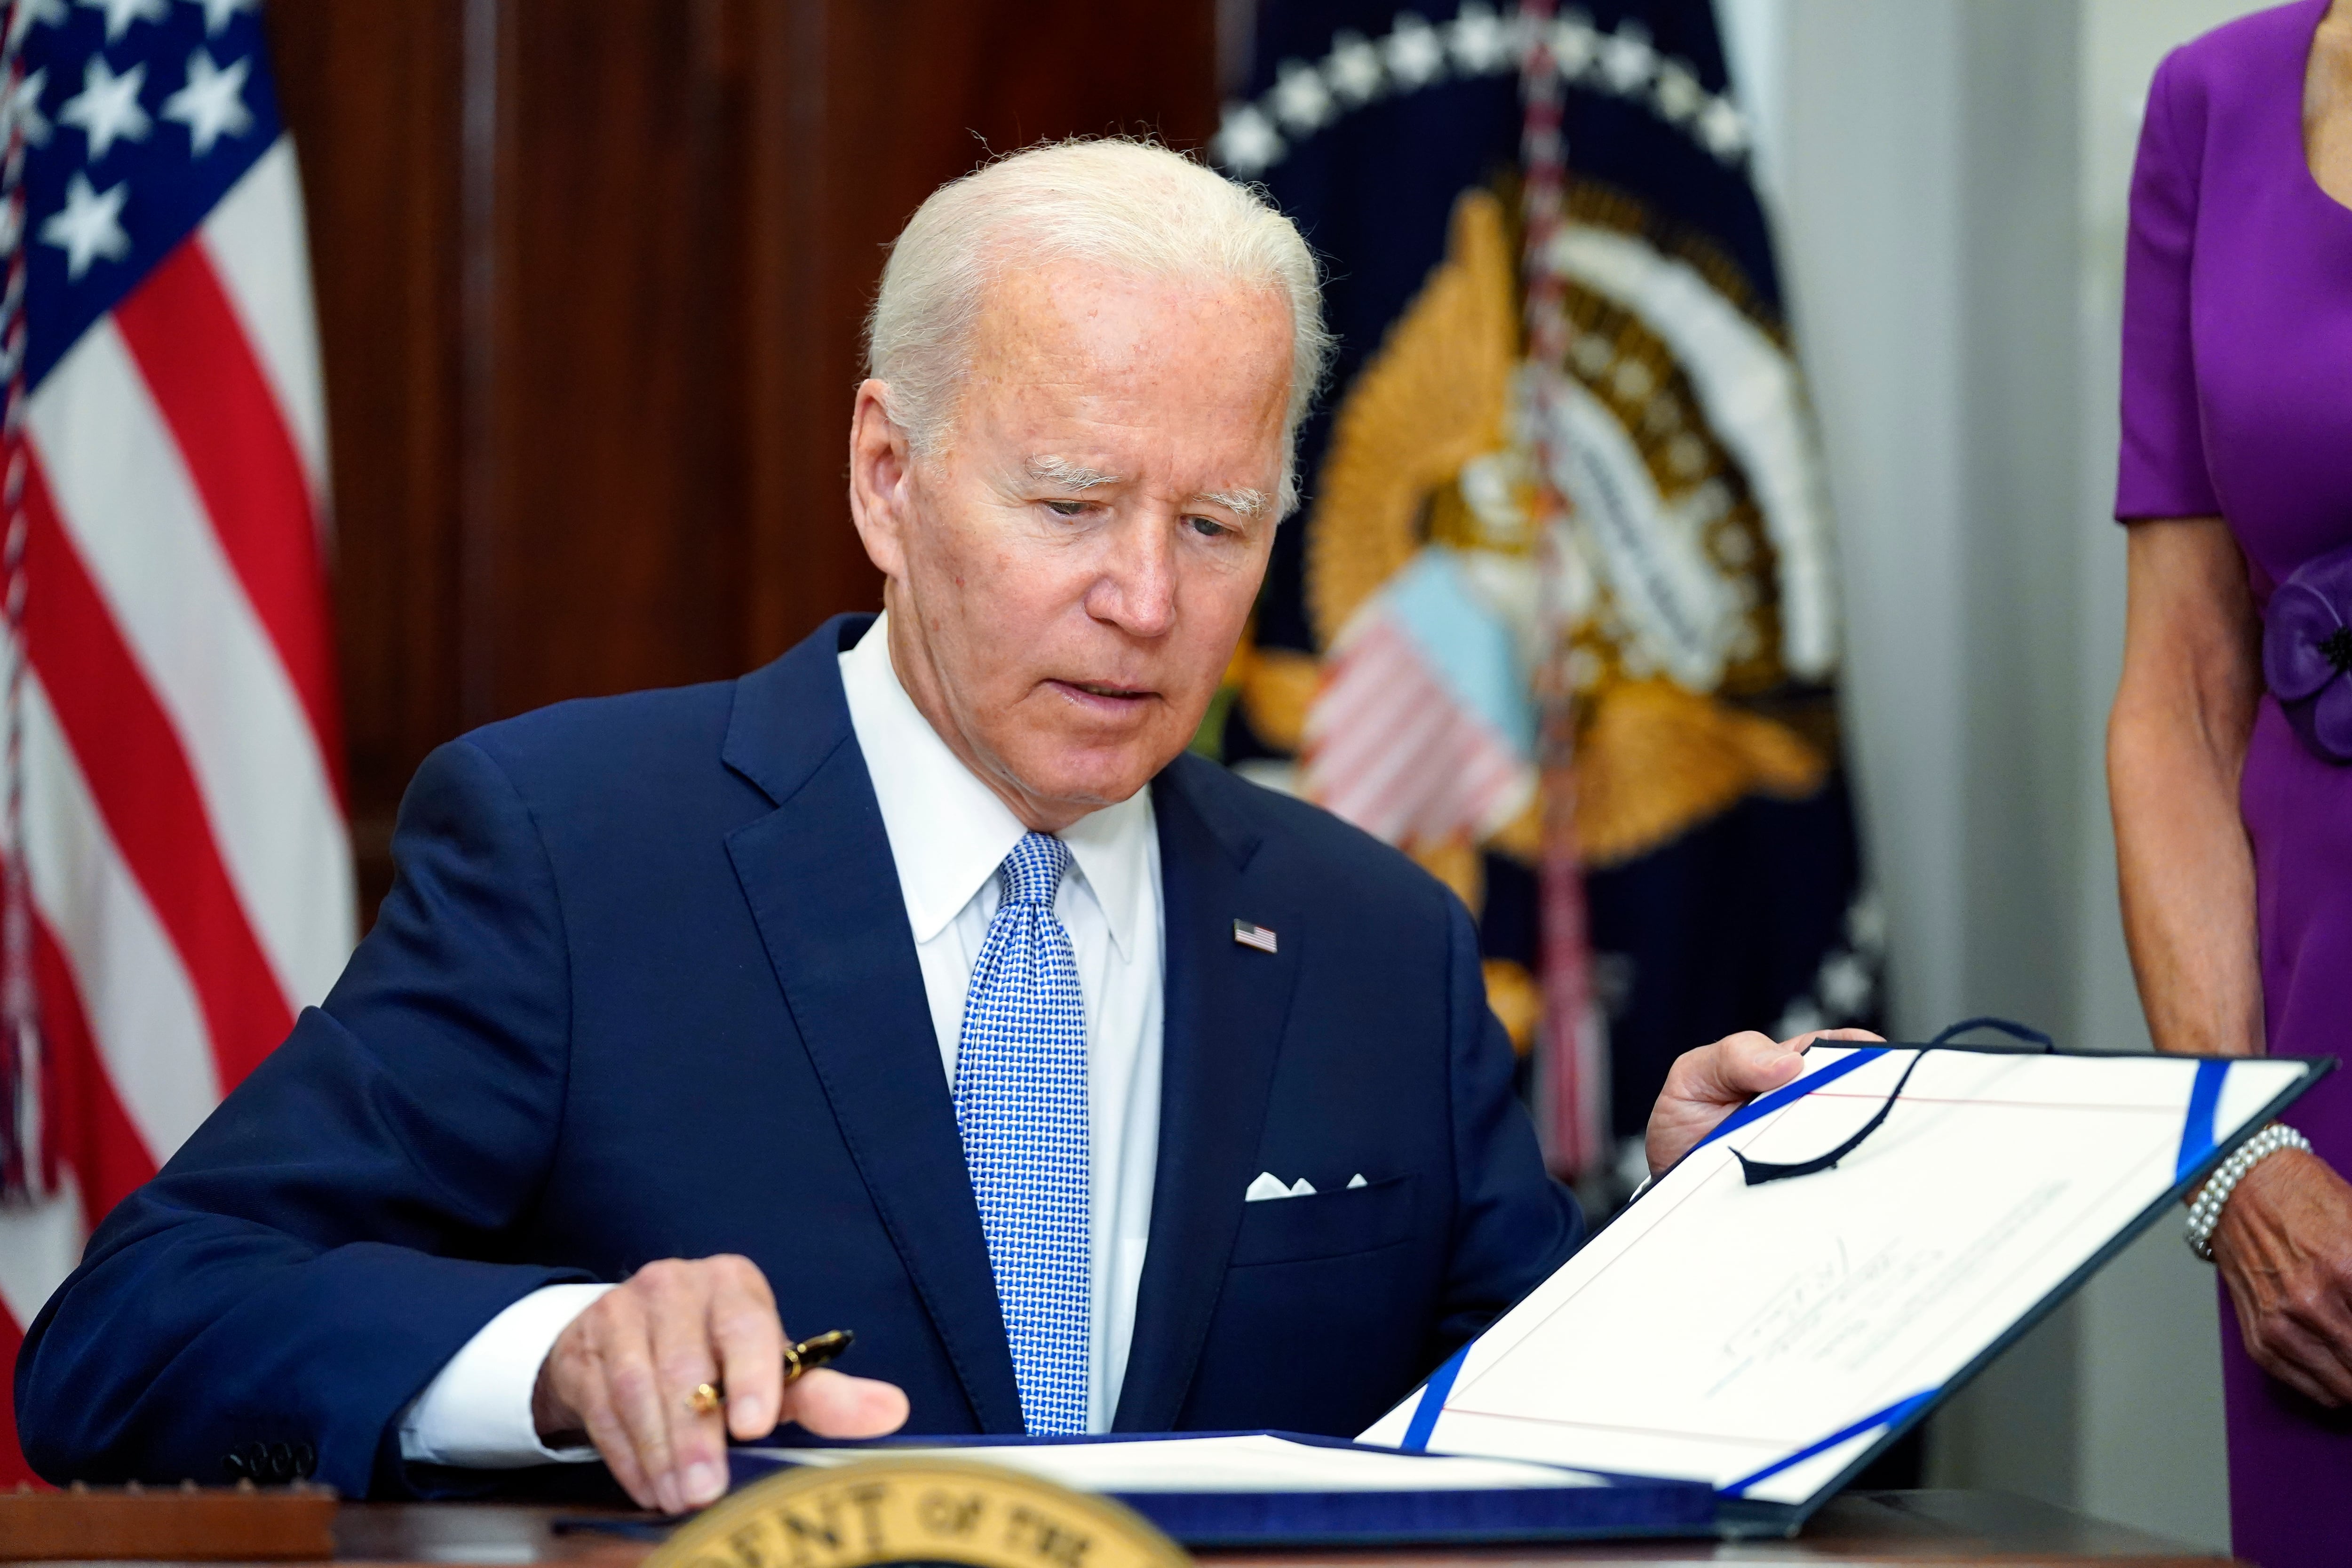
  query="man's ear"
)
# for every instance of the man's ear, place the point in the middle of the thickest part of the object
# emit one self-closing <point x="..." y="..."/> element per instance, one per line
<point x="881" y="478"/>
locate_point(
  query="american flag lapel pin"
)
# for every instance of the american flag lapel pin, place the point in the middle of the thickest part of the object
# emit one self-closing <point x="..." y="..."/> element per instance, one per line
<point x="1249" y="935"/>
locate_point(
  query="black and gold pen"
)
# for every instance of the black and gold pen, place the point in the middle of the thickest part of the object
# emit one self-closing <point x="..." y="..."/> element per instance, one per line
<point x="803" y="1355"/>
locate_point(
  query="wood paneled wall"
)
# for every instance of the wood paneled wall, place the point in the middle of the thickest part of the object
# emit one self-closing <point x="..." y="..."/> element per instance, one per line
<point x="590" y="275"/>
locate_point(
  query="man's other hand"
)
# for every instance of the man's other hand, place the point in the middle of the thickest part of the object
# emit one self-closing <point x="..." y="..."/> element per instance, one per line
<point x="624" y="1373"/>
<point x="1711" y="1082"/>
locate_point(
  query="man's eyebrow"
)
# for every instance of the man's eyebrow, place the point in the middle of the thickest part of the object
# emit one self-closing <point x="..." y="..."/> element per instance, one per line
<point x="1068" y="475"/>
<point x="1248" y="503"/>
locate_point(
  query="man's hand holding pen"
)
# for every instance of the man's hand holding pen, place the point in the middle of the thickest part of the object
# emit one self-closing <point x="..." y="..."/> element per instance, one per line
<point x="638" y="1373"/>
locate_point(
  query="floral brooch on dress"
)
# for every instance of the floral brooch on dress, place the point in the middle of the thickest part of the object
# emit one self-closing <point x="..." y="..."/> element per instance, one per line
<point x="2307" y="653"/>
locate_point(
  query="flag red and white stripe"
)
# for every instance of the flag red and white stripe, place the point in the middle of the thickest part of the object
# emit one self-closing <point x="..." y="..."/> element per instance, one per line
<point x="1391" y="749"/>
<point x="184" y="833"/>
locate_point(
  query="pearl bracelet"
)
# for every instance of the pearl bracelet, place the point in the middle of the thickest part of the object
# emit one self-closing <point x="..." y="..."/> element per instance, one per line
<point x="2205" y="1211"/>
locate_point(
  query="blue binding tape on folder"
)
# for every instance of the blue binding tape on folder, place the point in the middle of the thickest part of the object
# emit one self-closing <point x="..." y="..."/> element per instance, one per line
<point x="1833" y="1262"/>
<point x="1230" y="1489"/>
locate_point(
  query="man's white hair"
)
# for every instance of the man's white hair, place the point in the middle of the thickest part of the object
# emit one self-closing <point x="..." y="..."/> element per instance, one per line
<point x="1129" y="204"/>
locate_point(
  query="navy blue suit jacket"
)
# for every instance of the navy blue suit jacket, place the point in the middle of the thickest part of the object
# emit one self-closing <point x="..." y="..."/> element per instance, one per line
<point x="645" y="988"/>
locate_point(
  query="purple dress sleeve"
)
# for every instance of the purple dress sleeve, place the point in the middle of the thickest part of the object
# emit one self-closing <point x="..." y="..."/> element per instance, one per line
<point x="2162" y="466"/>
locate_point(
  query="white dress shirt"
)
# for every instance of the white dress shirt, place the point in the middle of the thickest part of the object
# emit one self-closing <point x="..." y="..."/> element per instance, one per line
<point x="949" y="834"/>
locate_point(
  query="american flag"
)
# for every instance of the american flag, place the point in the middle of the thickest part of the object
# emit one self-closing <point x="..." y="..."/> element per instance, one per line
<point x="1256" y="936"/>
<point x="174" y="757"/>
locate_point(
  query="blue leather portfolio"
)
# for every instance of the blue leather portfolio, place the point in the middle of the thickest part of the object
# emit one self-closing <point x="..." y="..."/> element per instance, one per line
<point x="1833" y="1262"/>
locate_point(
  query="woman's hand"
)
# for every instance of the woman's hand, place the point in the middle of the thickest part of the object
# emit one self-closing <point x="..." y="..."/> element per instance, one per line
<point x="2285" y="1248"/>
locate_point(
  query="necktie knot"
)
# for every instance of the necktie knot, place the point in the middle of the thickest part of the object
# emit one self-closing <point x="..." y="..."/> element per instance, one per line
<point x="1033" y="872"/>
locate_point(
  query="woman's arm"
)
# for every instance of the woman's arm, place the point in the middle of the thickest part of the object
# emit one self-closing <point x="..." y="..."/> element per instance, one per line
<point x="2176" y="747"/>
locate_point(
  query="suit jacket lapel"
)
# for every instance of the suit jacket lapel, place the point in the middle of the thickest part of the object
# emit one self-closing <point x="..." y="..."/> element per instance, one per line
<point x="824" y="892"/>
<point x="1227" y="1006"/>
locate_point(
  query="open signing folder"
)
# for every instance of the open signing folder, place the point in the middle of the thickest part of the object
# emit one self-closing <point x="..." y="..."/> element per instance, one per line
<point x="1835" y="1260"/>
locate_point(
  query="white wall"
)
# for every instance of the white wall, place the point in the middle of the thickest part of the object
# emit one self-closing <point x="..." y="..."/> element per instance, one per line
<point x="1949" y="177"/>
<point x="1867" y="160"/>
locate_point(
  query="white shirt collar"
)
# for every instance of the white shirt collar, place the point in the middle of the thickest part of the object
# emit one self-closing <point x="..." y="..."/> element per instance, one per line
<point x="948" y="832"/>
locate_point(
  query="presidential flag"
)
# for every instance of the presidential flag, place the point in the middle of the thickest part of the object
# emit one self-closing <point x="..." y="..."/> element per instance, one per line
<point x="178" y="871"/>
<point x="1559" y="616"/>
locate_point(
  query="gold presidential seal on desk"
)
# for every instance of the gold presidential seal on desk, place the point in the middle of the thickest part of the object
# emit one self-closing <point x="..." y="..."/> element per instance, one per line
<point x="915" y="1511"/>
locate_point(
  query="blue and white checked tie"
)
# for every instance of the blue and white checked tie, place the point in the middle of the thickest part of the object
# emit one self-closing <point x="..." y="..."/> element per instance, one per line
<point x="1021" y="1105"/>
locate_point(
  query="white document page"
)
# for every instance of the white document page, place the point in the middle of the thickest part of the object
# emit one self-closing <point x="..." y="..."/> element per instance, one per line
<point x="1758" y="1337"/>
<point x="1254" y="1463"/>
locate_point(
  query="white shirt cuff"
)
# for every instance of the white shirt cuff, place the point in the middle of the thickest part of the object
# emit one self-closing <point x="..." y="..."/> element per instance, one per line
<point x="476" y="1413"/>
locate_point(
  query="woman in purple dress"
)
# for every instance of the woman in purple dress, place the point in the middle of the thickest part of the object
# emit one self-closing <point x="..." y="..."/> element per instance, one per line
<point x="2230" y="751"/>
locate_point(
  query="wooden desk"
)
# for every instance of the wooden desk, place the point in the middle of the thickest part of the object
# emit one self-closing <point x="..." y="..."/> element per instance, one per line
<point x="1889" y="1528"/>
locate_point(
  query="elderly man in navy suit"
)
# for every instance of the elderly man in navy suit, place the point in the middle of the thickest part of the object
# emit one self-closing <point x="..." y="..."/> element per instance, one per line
<point x="917" y="983"/>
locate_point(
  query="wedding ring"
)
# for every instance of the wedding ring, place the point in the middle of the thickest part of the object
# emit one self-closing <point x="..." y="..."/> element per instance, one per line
<point x="706" y="1399"/>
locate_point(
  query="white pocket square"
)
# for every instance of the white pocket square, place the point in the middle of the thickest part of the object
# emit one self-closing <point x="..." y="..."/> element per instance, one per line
<point x="1268" y="1185"/>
